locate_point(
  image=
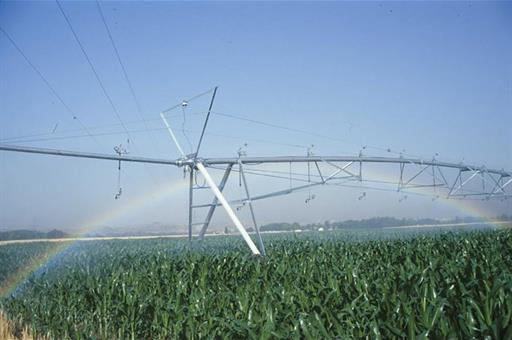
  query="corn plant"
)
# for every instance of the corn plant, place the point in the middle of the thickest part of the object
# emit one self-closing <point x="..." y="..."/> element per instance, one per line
<point x="454" y="285"/>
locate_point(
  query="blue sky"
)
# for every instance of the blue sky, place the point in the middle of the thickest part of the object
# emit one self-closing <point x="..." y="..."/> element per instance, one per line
<point x="421" y="77"/>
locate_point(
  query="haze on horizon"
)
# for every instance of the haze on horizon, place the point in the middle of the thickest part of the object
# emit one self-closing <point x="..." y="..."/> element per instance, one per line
<point x="424" y="78"/>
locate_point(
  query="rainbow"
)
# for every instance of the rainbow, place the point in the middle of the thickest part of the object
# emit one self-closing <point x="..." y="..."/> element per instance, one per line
<point x="58" y="248"/>
<point x="473" y="208"/>
<point x="9" y="287"/>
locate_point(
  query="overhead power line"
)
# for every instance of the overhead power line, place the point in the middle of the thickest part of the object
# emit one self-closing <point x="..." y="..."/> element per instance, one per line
<point x="125" y="73"/>
<point x="75" y="117"/>
<point x="102" y="86"/>
<point x="232" y="116"/>
<point x="48" y="85"/>
<point x="91" y="65"/>
<point x="91" y="127"/>
<point x="250" y="120"/>
<point x="27" y="139"/>
<point x="311" y="133"/>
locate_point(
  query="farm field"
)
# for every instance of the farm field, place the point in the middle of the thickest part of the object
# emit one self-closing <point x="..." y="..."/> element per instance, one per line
<point x="452" y="284"/>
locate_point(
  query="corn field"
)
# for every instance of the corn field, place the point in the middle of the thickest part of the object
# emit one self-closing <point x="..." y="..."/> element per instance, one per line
<point x="433" y="285"/>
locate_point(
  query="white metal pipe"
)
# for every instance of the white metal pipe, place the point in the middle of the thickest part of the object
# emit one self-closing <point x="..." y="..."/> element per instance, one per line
<point x="228" y="208"/>
<point x="506" y="184"/>
<point x="172" y="134"/>
<point x="247" y="160"/>
<point x="476" y="172"/>
<point x="215" y="201"/>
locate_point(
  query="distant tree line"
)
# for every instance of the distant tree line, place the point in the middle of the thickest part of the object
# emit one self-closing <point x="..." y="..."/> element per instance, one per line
<point x="375" y="222"/>
<point x="24" y="234"/>
<point x="281" y="226"/>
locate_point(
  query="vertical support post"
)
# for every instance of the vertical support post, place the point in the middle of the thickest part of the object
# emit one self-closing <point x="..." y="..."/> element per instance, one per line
<point x="260" y="241"/>
<point x="190" y="202"/>
<point x="214" y="203"/>
<point x="454" y="184"/>
<point x="401" y="180"/>
<point x="434" y="177"/>
<point x="442" y="176"/>
<point x="290" y="175"/>
<point x="319" y="172"/>
<point x="228" y="208"/>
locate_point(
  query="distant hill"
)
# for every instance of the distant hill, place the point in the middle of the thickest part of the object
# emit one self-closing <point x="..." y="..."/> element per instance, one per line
<point x="374" y="222"/>
<point x="157" y="229"/>
<point x="24" y="234"/>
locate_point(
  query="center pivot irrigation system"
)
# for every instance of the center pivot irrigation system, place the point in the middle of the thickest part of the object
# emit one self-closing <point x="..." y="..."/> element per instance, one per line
<point x="446" y="180"/>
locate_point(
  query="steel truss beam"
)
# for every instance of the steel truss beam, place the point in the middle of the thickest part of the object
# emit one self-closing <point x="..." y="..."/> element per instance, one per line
<point x="66" y="153"/>
<point x="499" y="180"/>
<point x="279" y="192"/>
<point x="339" y="164"/>
<point x="498" y="191"/>
<point x="247" y="160"/>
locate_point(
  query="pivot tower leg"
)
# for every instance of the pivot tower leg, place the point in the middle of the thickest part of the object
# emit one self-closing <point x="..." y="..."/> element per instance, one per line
<point x="215" y="202"/>
<point x="190" y="202"/>
<point x="228" y="208"/>
<point x="260" y="241"/>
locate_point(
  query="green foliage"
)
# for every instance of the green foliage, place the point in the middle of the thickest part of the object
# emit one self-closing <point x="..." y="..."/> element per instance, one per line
<point x="385" y="222"/>
<point x="31" y="234"/>
<point x="16" y="257"/>
<point x="314" y="286"/>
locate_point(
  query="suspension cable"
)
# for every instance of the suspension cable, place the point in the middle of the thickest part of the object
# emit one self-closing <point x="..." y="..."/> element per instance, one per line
<point x="48" y="85"/>
<point x="315" y="134"/>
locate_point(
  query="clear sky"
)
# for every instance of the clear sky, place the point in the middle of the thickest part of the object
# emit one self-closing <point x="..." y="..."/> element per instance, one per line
<point x="426" y="78"/>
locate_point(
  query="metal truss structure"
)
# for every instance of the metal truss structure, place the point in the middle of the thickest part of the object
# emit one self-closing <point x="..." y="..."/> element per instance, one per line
<point x="444" y="180"/>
